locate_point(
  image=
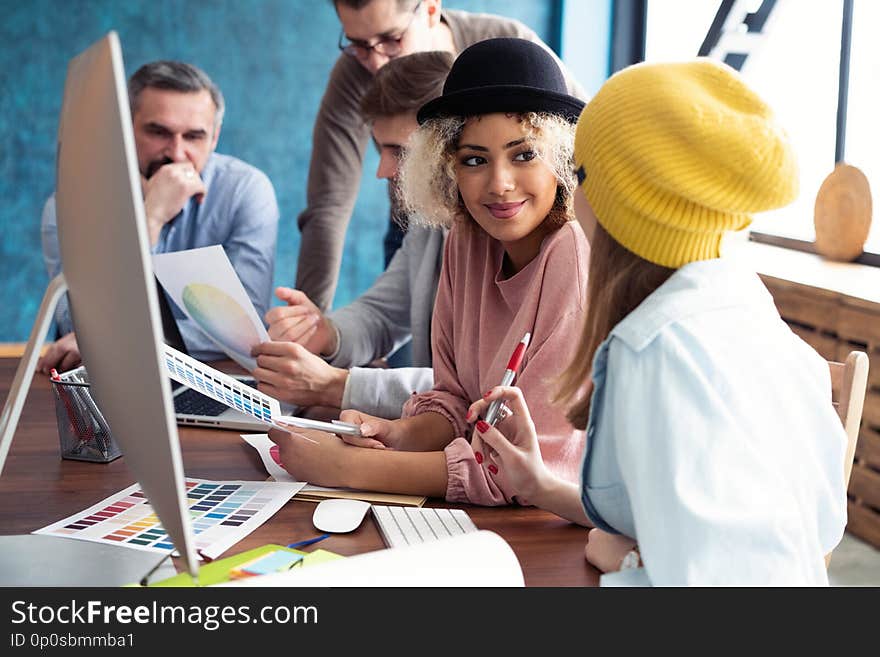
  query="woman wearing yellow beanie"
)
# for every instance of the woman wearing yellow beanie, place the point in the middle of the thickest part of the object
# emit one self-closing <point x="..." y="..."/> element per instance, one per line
<point x="711" y="440"/>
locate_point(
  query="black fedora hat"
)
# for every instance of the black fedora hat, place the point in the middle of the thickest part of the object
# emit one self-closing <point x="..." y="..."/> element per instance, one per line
<point x="503" y="75"/>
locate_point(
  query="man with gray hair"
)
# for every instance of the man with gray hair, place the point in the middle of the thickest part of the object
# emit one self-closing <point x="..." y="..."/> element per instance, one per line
<point x="193" y="197"/>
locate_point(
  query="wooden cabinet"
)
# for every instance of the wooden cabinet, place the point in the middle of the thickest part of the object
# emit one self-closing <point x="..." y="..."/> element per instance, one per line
<point x="835" y="323"/>
<point x="835" y="307"/>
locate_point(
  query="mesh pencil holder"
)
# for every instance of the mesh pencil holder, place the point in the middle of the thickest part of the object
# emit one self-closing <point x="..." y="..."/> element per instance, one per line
<point x="82" y="429"/>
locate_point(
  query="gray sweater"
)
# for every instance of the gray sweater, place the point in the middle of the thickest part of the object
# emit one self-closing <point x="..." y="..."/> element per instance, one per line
<point x="398" y="305"/>
<point x="339" y="140"/>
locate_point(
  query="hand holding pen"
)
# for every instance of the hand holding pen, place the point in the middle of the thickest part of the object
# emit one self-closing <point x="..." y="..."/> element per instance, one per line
<point x="493" y="414"/>
<point x="512" y="452"/>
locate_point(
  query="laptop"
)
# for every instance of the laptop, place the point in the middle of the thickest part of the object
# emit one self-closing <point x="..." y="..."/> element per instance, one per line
<point x="192" y="408"/>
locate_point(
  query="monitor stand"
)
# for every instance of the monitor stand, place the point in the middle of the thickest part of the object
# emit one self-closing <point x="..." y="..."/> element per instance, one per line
<point x="37" y="560"/>
<point x="21" y="384"/>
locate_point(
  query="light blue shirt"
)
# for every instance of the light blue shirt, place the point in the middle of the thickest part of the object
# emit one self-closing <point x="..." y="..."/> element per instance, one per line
<point x="239" y="212"/>
<point x="712" y="440"/>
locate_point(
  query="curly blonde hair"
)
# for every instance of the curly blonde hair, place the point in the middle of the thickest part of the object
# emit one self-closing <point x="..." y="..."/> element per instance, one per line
<point x="428" y="185"/>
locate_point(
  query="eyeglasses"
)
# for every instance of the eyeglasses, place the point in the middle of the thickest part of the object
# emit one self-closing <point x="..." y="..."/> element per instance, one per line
<point x="388" y="45"/>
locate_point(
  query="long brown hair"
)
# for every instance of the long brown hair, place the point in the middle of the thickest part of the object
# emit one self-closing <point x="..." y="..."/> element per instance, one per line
<point x="618" y="282"/>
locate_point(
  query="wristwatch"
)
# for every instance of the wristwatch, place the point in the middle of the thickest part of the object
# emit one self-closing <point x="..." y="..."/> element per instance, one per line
<point x="631" y="560"/>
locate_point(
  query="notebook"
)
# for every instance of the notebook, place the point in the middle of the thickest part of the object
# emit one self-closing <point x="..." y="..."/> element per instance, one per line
<point x="480" y="558"/>
<point x="219" y="571"/>
<point x="191" y="407"/>
<point x="261" y="407"/>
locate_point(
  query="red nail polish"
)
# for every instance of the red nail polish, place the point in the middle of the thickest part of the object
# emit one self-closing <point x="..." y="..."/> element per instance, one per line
<point x="468" y="416"/>
<point x="482" y="426"/>
<point x="493" y="469"/>
<point x="479" y="457"/>
<point x="489" y="392"/>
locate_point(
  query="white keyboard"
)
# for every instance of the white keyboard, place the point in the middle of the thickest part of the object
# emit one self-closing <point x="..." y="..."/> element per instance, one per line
<point x="406" y="525"/>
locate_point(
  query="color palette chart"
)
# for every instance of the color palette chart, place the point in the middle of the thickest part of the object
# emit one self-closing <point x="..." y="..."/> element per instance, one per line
<point x="221" y="513"/>
<point x="204" y="285"/>
<point x="226" y="390"/>
<point x="219" y="386"/>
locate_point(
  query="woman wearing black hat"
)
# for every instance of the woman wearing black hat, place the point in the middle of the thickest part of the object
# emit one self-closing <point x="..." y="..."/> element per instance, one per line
<point x="492" y="160"/>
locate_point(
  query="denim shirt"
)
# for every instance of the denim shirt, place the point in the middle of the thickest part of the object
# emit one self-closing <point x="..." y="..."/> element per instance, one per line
<point x="239" y="212"/>
<point x="712" y="440"/>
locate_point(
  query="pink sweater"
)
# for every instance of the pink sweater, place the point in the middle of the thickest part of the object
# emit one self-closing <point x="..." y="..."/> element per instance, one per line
<point x="478" y="320"/>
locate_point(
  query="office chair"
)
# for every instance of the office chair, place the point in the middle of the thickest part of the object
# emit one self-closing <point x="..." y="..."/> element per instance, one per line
<point x="849" y="381"/>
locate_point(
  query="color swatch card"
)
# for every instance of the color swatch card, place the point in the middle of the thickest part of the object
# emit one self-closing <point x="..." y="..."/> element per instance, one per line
<point x="219" y="571"/>
<point x="222" y="513"/>
<point x="204" y="285"/>
<point x="235" y="394"/>
<point x="219" y="386"/>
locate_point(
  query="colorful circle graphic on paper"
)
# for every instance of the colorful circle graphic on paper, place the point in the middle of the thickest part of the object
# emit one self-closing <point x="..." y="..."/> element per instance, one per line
<point x="221" y="317"/>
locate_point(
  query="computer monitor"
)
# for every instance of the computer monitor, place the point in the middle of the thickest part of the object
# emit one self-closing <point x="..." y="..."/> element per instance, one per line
<point x="113" y="298"/>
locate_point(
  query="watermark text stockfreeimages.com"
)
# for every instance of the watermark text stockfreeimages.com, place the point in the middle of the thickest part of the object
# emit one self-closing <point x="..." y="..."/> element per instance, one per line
<point x="210" y="617"/>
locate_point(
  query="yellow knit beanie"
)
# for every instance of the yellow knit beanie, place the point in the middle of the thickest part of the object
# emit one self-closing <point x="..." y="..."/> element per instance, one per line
<point x="674" y="155"/>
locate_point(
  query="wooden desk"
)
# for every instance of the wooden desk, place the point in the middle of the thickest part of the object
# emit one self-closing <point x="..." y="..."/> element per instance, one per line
<point x="37" y="488"/>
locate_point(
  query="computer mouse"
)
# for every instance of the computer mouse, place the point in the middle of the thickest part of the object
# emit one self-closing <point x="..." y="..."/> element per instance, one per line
<point x="339" y="515"/>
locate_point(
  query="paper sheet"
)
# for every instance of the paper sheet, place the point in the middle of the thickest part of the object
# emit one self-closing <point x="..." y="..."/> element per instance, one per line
<point x="263" y="445"/>
<point x="479" y="559"/>
<point x="206" y="288"/>
<point x="222" y="513"/>
<point x="265" y="448"/>
<point x="217" y="571"/>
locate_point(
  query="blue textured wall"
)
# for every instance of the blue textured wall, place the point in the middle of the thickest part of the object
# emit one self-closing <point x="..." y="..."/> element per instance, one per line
<point x="270" y="57"/>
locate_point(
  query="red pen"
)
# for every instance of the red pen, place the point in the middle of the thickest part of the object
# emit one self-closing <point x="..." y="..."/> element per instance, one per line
<point x="509" y="374"/>
<point x="57" y="379"/>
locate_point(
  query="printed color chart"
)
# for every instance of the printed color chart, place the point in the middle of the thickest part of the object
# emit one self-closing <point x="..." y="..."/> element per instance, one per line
<point x="226" y="390"/>
<point x="222" y="513"/>
<point x="219" y="386"/>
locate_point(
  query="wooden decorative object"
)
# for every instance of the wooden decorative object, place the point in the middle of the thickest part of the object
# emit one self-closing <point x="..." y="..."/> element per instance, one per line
<point x="843" y="213"/>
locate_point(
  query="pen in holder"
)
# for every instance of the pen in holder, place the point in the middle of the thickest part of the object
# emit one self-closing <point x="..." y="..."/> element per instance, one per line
<point x="82" y="429"/>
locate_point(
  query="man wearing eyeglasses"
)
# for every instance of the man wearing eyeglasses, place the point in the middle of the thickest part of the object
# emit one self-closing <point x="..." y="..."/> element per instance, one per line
<point x="373" y="32"/>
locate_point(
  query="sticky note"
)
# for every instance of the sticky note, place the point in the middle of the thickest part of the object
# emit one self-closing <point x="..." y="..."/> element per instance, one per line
<point x="273" y="562"/>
